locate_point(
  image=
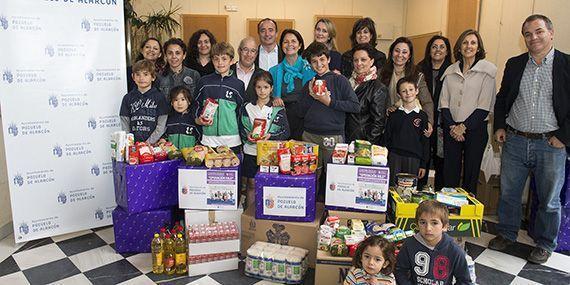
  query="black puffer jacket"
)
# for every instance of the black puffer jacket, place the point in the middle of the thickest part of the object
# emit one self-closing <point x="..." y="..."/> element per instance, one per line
<point x="370" y="122"/>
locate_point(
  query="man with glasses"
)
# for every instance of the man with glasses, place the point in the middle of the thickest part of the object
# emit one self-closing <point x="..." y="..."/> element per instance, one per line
<point x="245" y="68"/>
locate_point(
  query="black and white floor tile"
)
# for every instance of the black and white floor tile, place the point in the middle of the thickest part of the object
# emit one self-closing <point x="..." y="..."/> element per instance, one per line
<point x="88" y="257"/>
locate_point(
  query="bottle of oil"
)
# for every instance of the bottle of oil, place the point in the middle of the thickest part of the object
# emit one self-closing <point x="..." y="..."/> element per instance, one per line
<point x="157" y="255"/>
<point x="169" y="264"/>
<point x="181" y="254"/>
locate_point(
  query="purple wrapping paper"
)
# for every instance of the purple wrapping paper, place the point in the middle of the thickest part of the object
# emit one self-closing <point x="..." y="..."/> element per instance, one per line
<point x="134" y="232"/>
<point x="145" y="187"/>
<point x="278" y="180"/>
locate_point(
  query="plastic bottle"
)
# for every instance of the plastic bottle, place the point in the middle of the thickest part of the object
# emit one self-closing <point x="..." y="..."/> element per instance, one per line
<point x="162" y="233"/>
<point x="157" y="253"/>
<point x="180" y="249"/>
<point x="471" y="267"/>
<point x="169" y="262"/>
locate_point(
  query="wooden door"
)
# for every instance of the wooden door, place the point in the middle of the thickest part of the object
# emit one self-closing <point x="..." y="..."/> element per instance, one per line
<point x="419" y="42"/>
<point x="217" y="24"/>
<point x="282" y="24"/>
<point x="462" y="15"/>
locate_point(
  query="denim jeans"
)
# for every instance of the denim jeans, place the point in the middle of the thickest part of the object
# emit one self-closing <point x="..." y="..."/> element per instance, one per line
<point x="520" y="157"/>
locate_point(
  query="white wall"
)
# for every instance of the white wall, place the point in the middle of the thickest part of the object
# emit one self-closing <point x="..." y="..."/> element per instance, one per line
<point x="388" y="14"/>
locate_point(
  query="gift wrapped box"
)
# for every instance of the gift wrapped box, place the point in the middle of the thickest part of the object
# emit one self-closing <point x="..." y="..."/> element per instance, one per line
<point x="134" y="232"/>
<point x="285" y="197"/>
<point x="145" y="187"/>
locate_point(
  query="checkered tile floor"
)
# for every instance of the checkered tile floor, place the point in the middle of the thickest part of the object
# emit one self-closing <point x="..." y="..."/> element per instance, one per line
<point x="88" y="257"/>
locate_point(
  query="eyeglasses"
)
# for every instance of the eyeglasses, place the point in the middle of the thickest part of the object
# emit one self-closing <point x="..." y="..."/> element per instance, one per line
<point x="246" y="50"/>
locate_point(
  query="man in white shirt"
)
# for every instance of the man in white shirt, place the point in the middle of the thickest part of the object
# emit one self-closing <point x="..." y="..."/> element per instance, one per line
<point x="246" y="68"/>
<point x="269" y="53"/>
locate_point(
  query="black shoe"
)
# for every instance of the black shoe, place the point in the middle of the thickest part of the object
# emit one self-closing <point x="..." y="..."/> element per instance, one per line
<point x="499" y="243"/>
<point x="539" y="255"/>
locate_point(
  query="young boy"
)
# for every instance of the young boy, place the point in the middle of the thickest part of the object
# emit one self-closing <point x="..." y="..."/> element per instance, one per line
<point x="325" y="112"/>
<point x="144" y="110"/>
<point x="228" y="92"/>
<point x="408" y="148"/>
<point x="431" y="256"/>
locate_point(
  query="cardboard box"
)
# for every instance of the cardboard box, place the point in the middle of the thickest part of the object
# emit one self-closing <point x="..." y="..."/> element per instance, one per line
<point x="332" y="269"/>
<point x="145" y="187"/>
<point x="284" y="197"/>
<point x="204" y="189"/>
<point x="303" y="235"/>
<point x="489" y="193"/>
<point x="467" y="223"/>
<point x="213" y="266"/>
<point x="357" y="187"/>
<point x="134" y="232"/>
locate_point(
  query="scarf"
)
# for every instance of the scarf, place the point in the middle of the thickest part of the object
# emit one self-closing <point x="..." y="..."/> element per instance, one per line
<point x="285" y="73"/>
<point x="357" y="79"/>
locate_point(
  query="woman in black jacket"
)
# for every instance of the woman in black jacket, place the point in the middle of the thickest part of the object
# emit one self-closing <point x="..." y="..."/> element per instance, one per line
<point x="372" y="94"/>
<point x="363" y="32"/>
<point x="437" y="59"/>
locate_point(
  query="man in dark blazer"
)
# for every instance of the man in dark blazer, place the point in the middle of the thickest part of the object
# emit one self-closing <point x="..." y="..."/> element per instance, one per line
<point x="245" y="69"/>
<point x="269" y="51"/>
<point x="532" y="119"/>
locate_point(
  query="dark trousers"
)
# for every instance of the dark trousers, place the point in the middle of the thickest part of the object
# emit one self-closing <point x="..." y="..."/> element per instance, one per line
<point x="402" y="164"/>
<point x="294" y="119"/>
<point x="470" y="152"/>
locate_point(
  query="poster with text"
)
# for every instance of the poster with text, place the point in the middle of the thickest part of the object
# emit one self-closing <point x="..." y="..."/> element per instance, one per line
<point x="63" y="77"/>
<point x="284" y="201"/>
<point x="201" y="189"/>
<point x="357" y="187"/>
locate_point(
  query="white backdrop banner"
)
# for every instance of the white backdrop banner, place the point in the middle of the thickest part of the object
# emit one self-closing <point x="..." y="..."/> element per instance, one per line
<point x="63" y="78"/>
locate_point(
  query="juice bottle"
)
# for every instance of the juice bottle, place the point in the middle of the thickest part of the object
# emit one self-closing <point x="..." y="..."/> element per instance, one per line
<point x="169" y="263"/>
<point x="180" y="248"/>
<point x="157" y="254"/>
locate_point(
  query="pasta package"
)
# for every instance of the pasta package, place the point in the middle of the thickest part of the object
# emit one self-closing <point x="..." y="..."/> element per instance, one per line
<point x="267" y="152"/>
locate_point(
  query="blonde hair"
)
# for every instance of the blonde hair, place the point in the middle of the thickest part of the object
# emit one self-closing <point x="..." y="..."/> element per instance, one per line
<point x="331" y="43"/>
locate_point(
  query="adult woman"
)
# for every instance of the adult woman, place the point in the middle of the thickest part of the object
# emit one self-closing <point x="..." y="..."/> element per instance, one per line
<point x="467" y="98"/>
<point x="325" y="32"/>
<point x="289" y="77"/>
<point x="372" y="95"/>
<point x="363" y="32"/>
<point x="437" y="59"/>
<point x="199" y="47"/>
<point x="150" y="50"/>
<point x="400" y="63"/>
<point x="175" y="73"/>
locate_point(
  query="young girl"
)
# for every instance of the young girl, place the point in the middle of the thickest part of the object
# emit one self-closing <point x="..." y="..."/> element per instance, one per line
<point x="373" y="263"/>
<point x="180" y="128"/>
<point x="277" y="127"/>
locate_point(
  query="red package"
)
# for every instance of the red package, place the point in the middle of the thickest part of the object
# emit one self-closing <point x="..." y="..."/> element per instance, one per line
<point x="352" y="249"/>
<point x="297" y="149"/>
<point x="259" y="126"/>
<point x="320" y="87"/>
<point x="160" y="154"/>
<point x="133" y="155"/>
<point x="305" y="164"/>
<point x="297" y="164"/>
<point x="210" y="107"/>
<point x="145" y="153"/>
<point x="313" y="163"/>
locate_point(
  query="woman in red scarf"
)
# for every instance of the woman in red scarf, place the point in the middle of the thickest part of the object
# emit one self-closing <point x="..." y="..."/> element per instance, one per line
<point x="372" y="94"/>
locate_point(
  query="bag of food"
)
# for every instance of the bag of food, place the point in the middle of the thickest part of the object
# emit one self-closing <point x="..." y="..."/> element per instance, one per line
<point x="209" y="110"/>
<point x="259" y="128"/>
<point x="284" y="160"/>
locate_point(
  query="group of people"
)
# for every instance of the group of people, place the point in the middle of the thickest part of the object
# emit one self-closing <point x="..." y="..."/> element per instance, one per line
<point x="433" y="113"/>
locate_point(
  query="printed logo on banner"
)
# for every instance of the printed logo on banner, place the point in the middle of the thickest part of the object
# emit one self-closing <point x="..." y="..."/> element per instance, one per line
<point x="85" y="25"/>
<point x="104" y="122"/>
<point x="25" y="23"/>
<point x="89" y="76"/>
<point x="105" y="169"/>
<point x="79" y="195"/>
<point x="13" y="129"/>
<point x="53" y="101"/>
<point x="62" y="198"/>
<point x="18" y="180"/>
<point x="24" y="229"/>
<point x="4" y="22"/>
<point x="7" y="76"/>
<point x="57" y="151"/>
<point x="95" y="171"/>
<point x="49" y="51"/>
<point x="24" y="76"/>
<point x="92" y="123"/>
<point x="270" y="202"/>
<point x="37" y="226"/>
<point x="99" y="215"/>
<point x="29" y="128"/>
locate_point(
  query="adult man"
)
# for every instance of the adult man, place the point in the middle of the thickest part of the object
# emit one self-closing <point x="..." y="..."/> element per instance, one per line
<point x="532" y="118"/>
<point x="246" y="68"/>
<point x="269" y="52"/>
